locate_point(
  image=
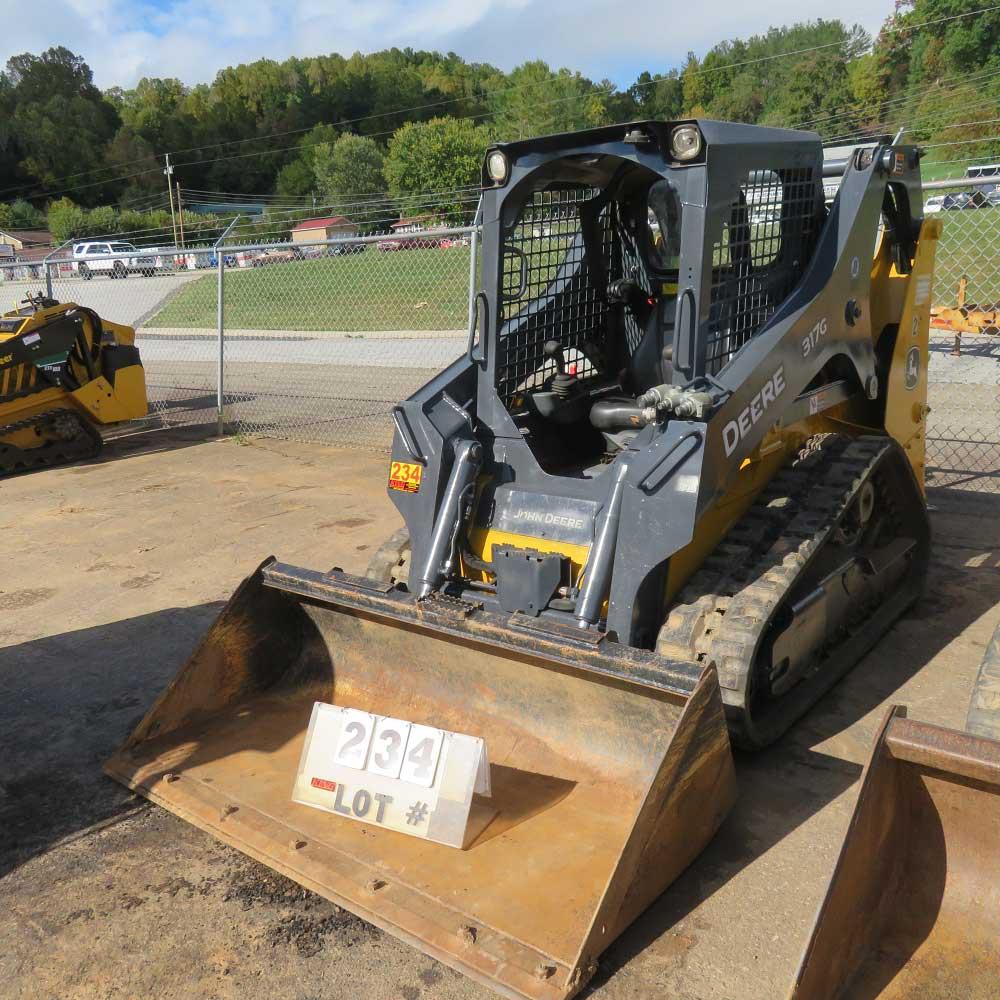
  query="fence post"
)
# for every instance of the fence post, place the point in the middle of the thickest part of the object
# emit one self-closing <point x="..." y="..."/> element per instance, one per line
<point x="220" y="404"/>
<point x="220" y="375"/>
<point x="46" y="263"/>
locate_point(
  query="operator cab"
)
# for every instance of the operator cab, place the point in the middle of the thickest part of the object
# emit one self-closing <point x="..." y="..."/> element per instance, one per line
<point x="601" y="306"/>
<point x="597" y="268"/>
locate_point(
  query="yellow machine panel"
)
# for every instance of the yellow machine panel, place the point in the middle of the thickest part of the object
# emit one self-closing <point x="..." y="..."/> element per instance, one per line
<point x="63" y="371"/>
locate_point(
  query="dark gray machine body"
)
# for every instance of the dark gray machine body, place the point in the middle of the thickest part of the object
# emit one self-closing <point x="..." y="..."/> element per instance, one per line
<point x="768" y="287"/>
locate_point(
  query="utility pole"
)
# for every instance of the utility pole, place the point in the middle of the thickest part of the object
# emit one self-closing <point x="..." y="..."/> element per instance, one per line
<point x="169" y="171"/>
<point x="180" y="212"/>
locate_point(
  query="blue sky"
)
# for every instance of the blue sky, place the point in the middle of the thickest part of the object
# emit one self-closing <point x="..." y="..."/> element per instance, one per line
<point x="123" y="40"/>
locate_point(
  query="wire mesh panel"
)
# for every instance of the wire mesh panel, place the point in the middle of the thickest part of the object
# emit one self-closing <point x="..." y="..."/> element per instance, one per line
<point x="323" y="339"/>
<point x="968" y="260"/>
<point x="152" y="292"/>
<point x="963" y="427"/>
<point x="17" y="281"/>
<point x="765" y="246"/>
<point x="963" y="434"/>
<point x="547" y="287"/>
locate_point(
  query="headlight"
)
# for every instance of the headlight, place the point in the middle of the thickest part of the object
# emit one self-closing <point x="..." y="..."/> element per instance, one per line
<point x="685" y="142"/>
<point x="496" y="166"/>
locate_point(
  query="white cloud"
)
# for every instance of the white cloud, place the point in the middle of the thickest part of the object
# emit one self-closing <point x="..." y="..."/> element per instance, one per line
<point x="192" y="39"/>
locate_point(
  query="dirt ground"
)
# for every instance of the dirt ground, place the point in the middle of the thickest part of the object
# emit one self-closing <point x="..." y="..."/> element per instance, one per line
<point x="113" y="569"/>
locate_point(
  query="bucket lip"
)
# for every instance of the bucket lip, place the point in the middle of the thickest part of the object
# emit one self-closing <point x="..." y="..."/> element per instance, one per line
<point x="558" y="645"/>
<point x="951" y="752"/>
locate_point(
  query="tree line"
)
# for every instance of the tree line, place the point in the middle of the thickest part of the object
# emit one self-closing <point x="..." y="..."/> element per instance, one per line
<point x="407" y="122"/>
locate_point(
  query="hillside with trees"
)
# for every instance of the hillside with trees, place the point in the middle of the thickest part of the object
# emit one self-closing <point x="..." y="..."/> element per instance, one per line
<point x="398" y="124"/>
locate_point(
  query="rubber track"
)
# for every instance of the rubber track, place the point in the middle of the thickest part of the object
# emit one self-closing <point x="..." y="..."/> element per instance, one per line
<point x="723" y="610"/>
<point x="85" y="443"/>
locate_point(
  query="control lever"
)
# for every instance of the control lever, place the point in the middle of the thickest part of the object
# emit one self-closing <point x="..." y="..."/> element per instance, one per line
<point x="562" y="382"/>
<point x="623" y="292"/>
<point x="553" y="349"/>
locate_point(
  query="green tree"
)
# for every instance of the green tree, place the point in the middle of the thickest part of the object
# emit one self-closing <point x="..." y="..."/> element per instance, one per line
<point x="20" y="214"/>
<point x="815" y="87"/>
<point x="442" y="155"/>
<point x="297" y="179"/>
<point x="536" y="100"/>
<point x="658" y="97"/>
<point x="60" y="121"/>
<point x="103" y="221"/>
<point x="66" y="220"/>
<point x="349" y="168"/>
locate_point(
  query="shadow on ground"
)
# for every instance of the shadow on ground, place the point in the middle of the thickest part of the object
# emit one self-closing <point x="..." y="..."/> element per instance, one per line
<point x="783" y="786"/>
<point x="66" y="703"/>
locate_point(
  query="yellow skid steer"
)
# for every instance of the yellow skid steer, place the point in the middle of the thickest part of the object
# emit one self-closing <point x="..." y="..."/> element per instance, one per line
<point x="671" y="492"/>
<point x="63" y="372"/>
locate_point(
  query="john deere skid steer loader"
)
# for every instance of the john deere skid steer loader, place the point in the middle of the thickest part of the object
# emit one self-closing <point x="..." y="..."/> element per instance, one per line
<point x="675" y="481"/>
<point x="63" y="371"/>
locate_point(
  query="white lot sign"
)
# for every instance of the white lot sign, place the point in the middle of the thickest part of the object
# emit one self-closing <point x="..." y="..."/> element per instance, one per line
<point x="392" y="773"/>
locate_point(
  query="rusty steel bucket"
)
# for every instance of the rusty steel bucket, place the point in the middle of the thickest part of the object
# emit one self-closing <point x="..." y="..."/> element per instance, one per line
<point x="913" y="908"/>
<point x="610" y="767"/>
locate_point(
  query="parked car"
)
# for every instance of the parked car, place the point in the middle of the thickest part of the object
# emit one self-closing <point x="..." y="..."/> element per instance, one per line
<point x="409" y="243"/>
<point x="276" y="257"/>
<point x="964" y="200"/>
<point x="342" y="248"/>
<point x="95" y="257"/>
<point x="936" y="204"/>
<point x="994" y="197"/>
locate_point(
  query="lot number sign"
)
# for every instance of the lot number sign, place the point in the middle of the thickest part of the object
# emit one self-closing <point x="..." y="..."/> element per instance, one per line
<point x="392" y="773"/>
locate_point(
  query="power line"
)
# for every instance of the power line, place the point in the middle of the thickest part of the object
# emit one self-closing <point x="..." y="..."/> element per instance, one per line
<point x="891" y="29"/>
<point x="923" y="123"/>
<point x="928" y="119"/>
<point x="964" y="142"/>
<point x="948" y="88"/>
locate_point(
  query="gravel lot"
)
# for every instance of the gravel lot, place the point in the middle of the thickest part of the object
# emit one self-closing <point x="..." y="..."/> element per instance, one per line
<point x="114" y="568"/>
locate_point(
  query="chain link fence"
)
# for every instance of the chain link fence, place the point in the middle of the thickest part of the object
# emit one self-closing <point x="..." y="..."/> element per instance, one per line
<point x="321" y="339"/>
<point x="963" y="439"/>
<point x="134" y="290"/>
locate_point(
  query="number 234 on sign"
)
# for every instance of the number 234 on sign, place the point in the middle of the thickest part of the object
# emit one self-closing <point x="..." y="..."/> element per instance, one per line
<point x="391" y="773"/>
<point x="405" y="476"/>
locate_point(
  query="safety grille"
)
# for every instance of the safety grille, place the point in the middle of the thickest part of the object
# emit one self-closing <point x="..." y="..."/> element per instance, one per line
<point x="766" y="244"/>
<point x="19" y="380"/>
<point x="548" y="290"/>
<point x="631" y="265"/>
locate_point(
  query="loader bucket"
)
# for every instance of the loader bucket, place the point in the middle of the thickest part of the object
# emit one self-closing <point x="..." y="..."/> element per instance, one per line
<point x="913" y="907"/>
<point x="610" y="767"/>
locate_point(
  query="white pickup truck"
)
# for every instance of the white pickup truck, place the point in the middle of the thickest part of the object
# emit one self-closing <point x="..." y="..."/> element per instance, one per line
<point x="99" y="257"/>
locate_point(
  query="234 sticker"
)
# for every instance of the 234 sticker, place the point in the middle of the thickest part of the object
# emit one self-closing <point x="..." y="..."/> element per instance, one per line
<point x="405" y="476"/>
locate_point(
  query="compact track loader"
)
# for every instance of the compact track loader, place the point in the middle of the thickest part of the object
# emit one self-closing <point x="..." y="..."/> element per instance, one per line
<point x="63" y="371"/>
<point x="671" y="491"/>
